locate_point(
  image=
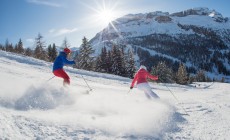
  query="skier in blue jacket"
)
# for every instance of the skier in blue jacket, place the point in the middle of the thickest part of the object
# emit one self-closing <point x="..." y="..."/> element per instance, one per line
<point x="59" y="63"/>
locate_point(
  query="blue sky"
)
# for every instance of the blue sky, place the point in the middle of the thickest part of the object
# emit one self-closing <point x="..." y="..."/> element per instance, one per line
<point x="56" y="20"/>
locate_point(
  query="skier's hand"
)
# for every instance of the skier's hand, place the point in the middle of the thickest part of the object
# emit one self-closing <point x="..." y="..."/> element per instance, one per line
<point x="131" y="87"/>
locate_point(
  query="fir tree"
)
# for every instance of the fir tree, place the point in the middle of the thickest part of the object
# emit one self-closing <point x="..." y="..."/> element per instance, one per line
<point x="16" y="48"/>
<point x="130" y="64"/>
<point x="52" y="52"/>
<point x="1" y="47"/>
<point x="116" y="61"/>
<point x="109" y="62"/>
<point x="163" y="72"/>
<point x="65" y="44"/>
<point x="39" y="51"/>
<point x="49" y="51"/>
<point x="6" y="45"/>
<point x="20" y="48"/>
<point x="200" y="76"/>
<point x="28" y="52"/>
<point x="101" y="62"/>
<point x="84" y="59"/>
<point x="182" y="76"/>
<point x="11" y="48"/>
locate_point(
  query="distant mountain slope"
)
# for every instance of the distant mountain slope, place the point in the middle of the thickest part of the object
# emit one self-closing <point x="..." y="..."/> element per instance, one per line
<point x="198" y="37"/>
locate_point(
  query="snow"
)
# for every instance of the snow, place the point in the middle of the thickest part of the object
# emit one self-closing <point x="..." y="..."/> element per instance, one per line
<point x="34" y="107"/>
<point x="136" y="25"/>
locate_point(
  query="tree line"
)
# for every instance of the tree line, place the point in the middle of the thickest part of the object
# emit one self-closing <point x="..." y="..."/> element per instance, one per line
<point x="115" y="61"/>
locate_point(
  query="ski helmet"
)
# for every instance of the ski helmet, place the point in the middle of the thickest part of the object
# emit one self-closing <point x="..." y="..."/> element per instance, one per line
<point x="67" y="51"/>
<point x="143" y="67"/>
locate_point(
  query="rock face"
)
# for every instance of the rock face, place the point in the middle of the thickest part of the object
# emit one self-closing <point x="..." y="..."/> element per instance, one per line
<point x="199" y="37"/>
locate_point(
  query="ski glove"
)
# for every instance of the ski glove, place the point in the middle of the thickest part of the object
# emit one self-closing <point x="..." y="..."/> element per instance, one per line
<point x="131" y="87"/>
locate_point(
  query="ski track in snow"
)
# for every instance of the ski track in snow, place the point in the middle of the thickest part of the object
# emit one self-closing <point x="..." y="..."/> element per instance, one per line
<point x="33" y="108"/>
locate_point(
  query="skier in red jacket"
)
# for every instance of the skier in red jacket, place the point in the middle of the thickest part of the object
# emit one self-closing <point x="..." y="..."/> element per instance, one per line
<point x="140" y="79"/>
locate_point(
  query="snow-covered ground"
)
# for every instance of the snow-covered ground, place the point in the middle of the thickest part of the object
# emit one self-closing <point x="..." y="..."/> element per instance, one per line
<point x="34" y="107"/>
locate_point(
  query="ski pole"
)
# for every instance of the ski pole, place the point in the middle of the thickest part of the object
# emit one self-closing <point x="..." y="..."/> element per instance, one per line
<point x="176" y="99"/>
<point x="128" y="91"/>
<point x="90" y="89"/>
<point x="50" y="79"/>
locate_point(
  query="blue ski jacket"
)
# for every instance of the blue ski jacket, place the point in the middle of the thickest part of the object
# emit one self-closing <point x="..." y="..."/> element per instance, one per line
<point x="61" y="60"/>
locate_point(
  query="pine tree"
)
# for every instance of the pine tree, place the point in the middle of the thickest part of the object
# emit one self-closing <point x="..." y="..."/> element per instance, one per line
<point x="10" y="48"/>
<point x="84" y="59"/>
<point x="182" y="76"/>
<point x="52" y="52"/>
<point x="101" y="62"/>
<point x="39" y="51"/>
<point x="116" y="61"/>
<point x="163" y="72"/>
<point x="49" y="52"/>
<point x="28" y="52"/>
<point x="6" y="45"/>
<point x="65" y="44"/>
<point x="109" y="62"/>
<point x="130" y="64"/>
<point x="16" y="48"/>
<point x="20" y="48"/>
<point x="123" y="62"/>
<point x="200" y="76"/>
<point x="1" y="47"/>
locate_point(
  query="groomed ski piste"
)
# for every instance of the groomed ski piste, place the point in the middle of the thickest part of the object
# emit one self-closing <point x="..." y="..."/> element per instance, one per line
<point x="33" y="106"/>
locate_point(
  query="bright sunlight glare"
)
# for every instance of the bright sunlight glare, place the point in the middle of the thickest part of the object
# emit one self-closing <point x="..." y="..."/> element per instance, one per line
<point x="106" y="16"/>
<point x="103" y="12"/>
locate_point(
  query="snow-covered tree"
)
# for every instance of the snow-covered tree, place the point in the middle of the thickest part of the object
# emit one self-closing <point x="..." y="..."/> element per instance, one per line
<point x="101" y="62"/>
<point x="182" y="75"/>
<point x="163" y="72"/>
<point x="130" y="64"/>
<point x="117" y="68"/>
<point x="85" y="59"/>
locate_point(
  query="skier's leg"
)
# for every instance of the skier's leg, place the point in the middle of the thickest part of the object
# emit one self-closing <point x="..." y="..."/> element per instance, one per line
<point x="66" y="79"/>
<point x="148" y="91"/>
<point x="61" y="73"/>
<point x="142" y="87"/>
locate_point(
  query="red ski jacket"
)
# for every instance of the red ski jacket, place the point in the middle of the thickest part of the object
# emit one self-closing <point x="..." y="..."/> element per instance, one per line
<point x="141" y="77"/>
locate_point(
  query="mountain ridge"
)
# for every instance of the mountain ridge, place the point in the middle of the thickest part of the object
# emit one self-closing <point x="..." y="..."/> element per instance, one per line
<point x="198" y="37"/>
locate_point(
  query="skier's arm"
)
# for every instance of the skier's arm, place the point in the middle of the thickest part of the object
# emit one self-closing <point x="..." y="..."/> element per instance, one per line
<point x="134" y="81"/>
<point x="67" y="61"/>
<point x="152" y="77"/>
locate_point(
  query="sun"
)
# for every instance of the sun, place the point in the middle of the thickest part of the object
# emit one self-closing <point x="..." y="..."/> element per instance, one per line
<point x="102" y="13"/>
<point x="105" y="16"/>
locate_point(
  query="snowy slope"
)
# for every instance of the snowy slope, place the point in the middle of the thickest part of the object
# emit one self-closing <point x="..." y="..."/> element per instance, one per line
<point x="31" y="107"/>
